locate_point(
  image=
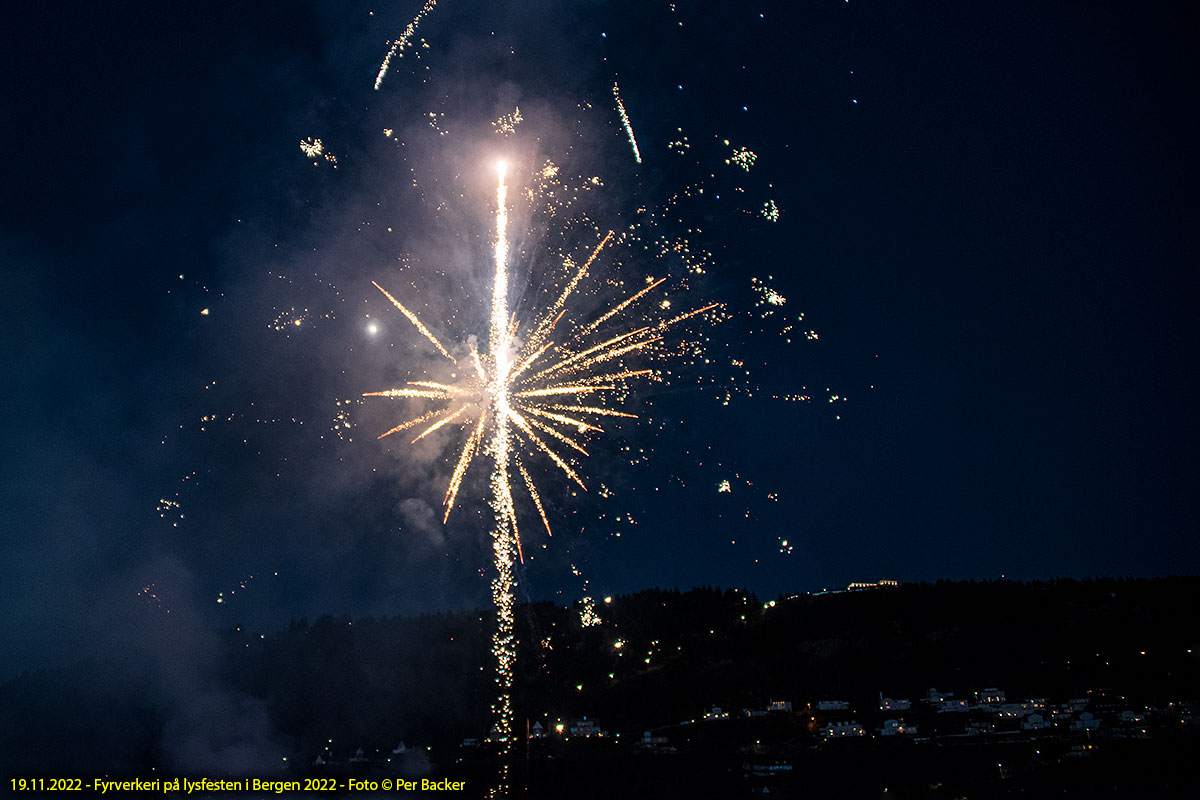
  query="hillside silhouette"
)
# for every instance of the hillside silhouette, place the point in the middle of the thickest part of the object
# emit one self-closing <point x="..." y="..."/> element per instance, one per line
<point x="272" y="703"/>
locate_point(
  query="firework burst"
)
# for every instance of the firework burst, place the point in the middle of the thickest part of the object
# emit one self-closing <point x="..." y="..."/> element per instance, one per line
<point x="540" y="396"/>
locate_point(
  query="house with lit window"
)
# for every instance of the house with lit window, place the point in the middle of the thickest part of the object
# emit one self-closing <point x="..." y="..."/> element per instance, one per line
<point x="897" y="727"/>
<point x="989" y="697"/>
<point x="893" y="704"/>
<point x="1035" y="722"/>
<point x="842" y="730"/>
<point x="586" y="728"/>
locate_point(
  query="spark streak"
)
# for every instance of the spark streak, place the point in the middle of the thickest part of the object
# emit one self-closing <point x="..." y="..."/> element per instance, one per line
<point x="621" y="307"/>
<point x="440" y="423"/>
<point x="504" y="535"/>
<point x="402" y="42"/>
<point x="415" y="321"/>
<point x="428" y="393"/>
<point x="412" y="423"/>
<point x="625" y="121"/>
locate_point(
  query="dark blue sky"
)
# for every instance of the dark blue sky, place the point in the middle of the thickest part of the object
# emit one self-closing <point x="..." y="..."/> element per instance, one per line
<point x="985" y="215"/>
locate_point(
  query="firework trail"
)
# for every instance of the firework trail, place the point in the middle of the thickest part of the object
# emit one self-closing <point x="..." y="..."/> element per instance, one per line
<point x="399" y="44"/>
<point x="625" y="121"/>
<point x="504" y="535"/>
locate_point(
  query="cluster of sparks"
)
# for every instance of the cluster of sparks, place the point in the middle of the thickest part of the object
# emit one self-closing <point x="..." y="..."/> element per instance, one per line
<point x="555" y="194"/>
<point x="315" y="149"/>
<point x="150" y="594"/>
<point x="507" y="124"/>
<point x="680" y="144"/>
<point x="742" y="157"/>
<point x="435" y="121"/>
<point x="166" y="506"/>
<point x="538" y="396"/>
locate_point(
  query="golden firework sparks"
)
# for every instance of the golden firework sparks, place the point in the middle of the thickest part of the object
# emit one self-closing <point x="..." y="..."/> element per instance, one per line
<point x="401" y="42"/>
<point x="514" y="400"/>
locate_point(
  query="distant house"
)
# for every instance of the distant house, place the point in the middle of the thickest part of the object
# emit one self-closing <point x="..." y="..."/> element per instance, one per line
<point x="859" y="586"/>
<point x="1086" y="722"/>
<point x="841" y="730"/>
<point x="716" y="713"/>
<point x="754" y="712"/>
<point x="1012" y="710"/>
<point x="358" y="757"/>
<point x="892" y="704"/>
<point x="951" y="706"/>
<point x="780" y="705"/>
<point x="1035" y="722"/>
<point x="896" y="727"/>
<point x="537" y="731"/>
<point x="987" y="697"/>
<point x="833" y="705"/>
<point x="586" y="728"/>
<point x="936" y="697"/>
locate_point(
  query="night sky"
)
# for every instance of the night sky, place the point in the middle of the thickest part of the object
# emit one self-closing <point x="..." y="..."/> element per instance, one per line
<point x="983" y="217"/>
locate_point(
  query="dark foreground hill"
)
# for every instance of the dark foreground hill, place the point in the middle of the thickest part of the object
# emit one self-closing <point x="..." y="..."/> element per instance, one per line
<point x="270" y="704"/>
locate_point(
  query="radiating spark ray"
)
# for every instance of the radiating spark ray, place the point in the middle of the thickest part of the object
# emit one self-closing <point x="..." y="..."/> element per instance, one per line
<point x="576" y="423"/>
<point x="403" y="426"/>
<point x="478" y="365"/>
<point x="611" y="354"/>
<point x="617" y="376"/>
<point x="440" y="423"/>
<point x="558" y="304"/>
<point x="682" y="317"/>
<point x="619" y="308"/>
<point x="431" y="385"/>
<point x="545" y="448"/>
<point x="415" y="321"/>
<point x="533" y="493"/>
<point x="585" y="353"/>
<point x="460" y="469"/>
<point x="529" y="361"/>
<point x="607" y="412"/>
<point x="549" y="391"/>
<point x="564" y="439"/>
<point x="426" y="393"/>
